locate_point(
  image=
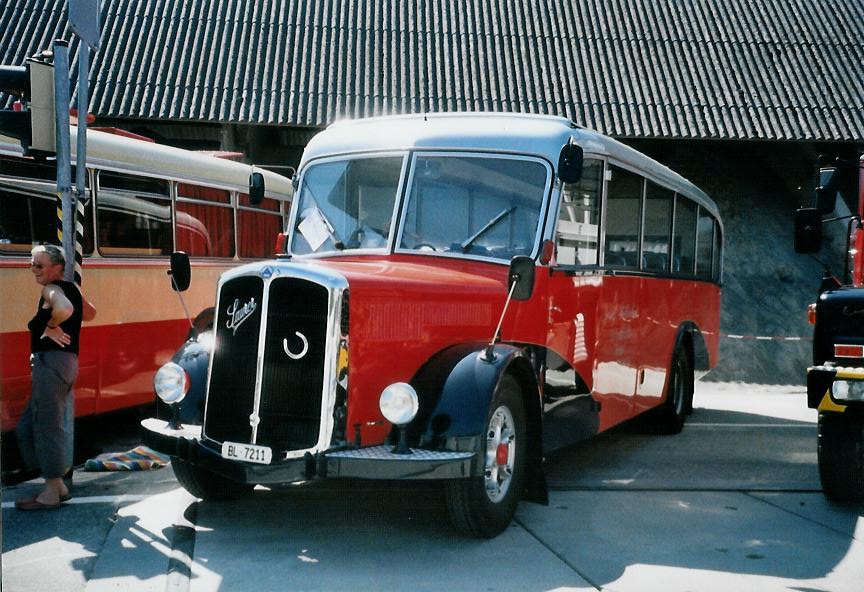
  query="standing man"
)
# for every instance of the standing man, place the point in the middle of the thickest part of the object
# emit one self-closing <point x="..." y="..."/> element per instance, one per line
<point x="54" y="342"/>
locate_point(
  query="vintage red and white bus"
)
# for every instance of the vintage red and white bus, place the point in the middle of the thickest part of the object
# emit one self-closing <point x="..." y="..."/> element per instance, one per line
<point x="144" y="201"/>
<point x="459" y="294"/>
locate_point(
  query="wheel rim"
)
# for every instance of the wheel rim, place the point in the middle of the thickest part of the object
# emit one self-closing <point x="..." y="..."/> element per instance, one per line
<point x="500" y="453"/>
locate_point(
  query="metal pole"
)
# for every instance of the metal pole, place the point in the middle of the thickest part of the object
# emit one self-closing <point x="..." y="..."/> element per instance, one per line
<point x="66" y="211"/>
<point x="81" y="156"/>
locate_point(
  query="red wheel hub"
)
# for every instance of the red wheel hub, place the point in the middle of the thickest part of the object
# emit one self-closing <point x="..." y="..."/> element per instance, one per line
<point x="502" y="454"/>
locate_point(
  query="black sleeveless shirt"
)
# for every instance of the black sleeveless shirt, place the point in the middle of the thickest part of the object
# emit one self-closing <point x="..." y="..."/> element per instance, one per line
<point x="71" y="326"/>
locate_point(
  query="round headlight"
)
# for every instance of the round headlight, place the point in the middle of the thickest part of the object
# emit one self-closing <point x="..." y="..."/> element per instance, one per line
<point x="399" y="403"/>
<point x="171" y="383"/>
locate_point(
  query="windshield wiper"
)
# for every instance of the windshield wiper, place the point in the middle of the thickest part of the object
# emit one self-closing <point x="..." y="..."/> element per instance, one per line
<point x="334" y="236"/>
<point x="489" y="225"/>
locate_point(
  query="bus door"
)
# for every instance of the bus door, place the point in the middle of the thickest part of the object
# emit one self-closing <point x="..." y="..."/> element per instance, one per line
<point x="592" y="339"/>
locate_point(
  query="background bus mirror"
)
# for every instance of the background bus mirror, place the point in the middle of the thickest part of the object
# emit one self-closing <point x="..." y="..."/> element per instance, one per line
<point x="808" y="230"/>
<point x="521" y="274"/>
<point x="256" y="188"/>
<point x="570" y="163"/>
<point x="180" y="272"/>
<point x="826" y="192"/>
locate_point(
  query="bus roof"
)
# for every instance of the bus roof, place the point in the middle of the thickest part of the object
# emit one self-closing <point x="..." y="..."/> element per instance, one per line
<point x="537" y="135"/>
<point x="128" y="155"/>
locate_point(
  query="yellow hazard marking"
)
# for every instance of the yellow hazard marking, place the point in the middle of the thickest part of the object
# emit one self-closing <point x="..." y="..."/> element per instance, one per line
<point x="828" y="405"/>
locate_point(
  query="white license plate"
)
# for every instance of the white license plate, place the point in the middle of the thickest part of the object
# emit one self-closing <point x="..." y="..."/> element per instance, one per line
<point x="247" y="452"/>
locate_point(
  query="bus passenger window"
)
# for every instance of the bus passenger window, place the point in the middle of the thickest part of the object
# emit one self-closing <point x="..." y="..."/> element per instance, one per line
<point x="133" y="215"/>
<point x="622" y="218"/>
<point x="657" y="228"/>
<point x="257" y="227"/>
<point x="578" y="232"/>
<point x="704" y="243"/>
<point x="204" y="221"/>
<point x="28" y="206"/>
<point x="684" y="239"/>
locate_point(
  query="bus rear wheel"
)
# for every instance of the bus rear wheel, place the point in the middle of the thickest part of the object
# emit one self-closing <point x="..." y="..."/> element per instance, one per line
<point x="672" y="413"/>
<point x="484" y="506"/>
<point x="840" y="452"/>
<point x="207" y="485"/>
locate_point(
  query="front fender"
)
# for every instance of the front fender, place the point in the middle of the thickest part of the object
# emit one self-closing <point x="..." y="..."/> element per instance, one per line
<point x="194" y="358"/>
<point x="455" y="389"/>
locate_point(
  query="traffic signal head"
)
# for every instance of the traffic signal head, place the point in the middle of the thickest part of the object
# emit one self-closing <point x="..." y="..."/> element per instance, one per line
<point x="34" y="122"/>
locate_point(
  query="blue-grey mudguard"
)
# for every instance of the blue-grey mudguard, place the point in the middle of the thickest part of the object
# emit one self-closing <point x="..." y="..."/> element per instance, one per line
<point x="194" y="358"/>
<point x="455" y="389"/>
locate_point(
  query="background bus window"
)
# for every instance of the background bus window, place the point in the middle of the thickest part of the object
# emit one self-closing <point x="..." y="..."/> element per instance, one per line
<point x="257" y="227"/>
<point x="684" y="239"/>
<point x="204" y="221"/>
<point x="133" y="215"/>
<point x="623" y="201"/>
<point x="657" y="228"/>
<point x="578" y="231"/>
<point x="28" y="206"/>
<point x="704" y="244"/>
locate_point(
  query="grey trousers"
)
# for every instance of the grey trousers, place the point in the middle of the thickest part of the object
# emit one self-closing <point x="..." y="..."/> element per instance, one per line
<point x="45" y="429"/>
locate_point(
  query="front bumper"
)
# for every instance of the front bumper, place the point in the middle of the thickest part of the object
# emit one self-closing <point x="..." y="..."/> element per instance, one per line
<point x="373" y="462"/>
<point x="822" y="393"/>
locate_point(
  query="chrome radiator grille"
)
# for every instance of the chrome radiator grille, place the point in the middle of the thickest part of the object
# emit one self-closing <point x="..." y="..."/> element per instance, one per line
<point x="292" y="371"/>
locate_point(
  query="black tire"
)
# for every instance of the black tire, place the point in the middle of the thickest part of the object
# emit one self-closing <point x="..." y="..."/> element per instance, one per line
<point x="484" y="506"/>
<point x="840" y="451"/>
<point x="672" y="413"/>
<point x="207" y="485"/>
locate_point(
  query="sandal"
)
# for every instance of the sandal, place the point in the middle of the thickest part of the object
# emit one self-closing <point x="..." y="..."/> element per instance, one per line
<point x="34" y="504"/>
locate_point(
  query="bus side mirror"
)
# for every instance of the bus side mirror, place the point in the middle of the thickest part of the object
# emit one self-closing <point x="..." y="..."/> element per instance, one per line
<point x="808" y="230"/>
<point x="180" y="272"/>
<point x="522" y="275"/>
<point x="826" y="192"/>
<point x="256" y="188"/>
<point x="570" y="163"/>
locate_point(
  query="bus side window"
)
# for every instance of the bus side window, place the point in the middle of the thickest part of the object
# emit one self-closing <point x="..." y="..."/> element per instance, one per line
<point x="623" y="203"/>
<point x="684" y="237"/>
<point x="578" y="234"/>
<point x="28" y="206"/>
<point x="257" y="227"/>
<point x="657" y="228"/>
<point x="204" y="221"/>
<point x="704" y="244"/>
<point x="133" y="215"/>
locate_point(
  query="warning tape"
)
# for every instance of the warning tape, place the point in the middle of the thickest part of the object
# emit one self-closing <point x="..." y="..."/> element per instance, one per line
<point x="764" y="337"/>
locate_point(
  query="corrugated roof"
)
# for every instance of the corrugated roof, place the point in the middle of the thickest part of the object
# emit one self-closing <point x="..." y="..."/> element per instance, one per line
<point x="741" y="69"/>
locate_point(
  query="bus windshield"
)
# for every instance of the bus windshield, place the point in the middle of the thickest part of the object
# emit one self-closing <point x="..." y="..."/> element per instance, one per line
<point x="458" y="204"/>
<point x="480" y="205"/>
<point x="346" y="204"/>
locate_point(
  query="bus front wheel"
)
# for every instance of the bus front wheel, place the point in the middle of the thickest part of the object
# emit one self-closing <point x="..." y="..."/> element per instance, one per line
<point x="484" y="506"/>
<point x="840" y="452"/>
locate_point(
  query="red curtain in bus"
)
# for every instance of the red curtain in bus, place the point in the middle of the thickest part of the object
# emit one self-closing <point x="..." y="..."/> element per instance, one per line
<point x="257" y="233"/>
<point x="257" y="230"/>
<point x="204" y="230"/>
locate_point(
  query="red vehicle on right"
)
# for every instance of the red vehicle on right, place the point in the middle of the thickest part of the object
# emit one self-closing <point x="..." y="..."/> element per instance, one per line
<point x="835" y="382"/>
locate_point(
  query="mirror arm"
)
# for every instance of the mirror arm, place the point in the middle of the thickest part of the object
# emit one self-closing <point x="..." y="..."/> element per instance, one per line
<point x="182" y="302"/>
<point x="488" y="355"/>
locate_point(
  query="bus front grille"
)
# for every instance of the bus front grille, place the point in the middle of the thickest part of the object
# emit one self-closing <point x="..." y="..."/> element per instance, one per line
<point x="291" y="374"/>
